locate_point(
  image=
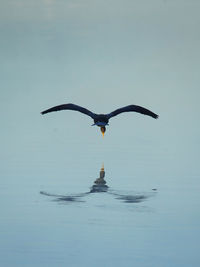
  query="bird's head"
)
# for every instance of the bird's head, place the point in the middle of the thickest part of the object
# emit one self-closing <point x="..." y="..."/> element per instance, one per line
<point x="103" y="129"/>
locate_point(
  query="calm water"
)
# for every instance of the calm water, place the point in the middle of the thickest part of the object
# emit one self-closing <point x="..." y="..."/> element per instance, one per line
<point x="68" y="196"/>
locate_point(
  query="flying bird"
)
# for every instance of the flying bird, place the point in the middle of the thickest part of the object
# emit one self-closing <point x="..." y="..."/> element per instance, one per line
<point x="101" y="120"/>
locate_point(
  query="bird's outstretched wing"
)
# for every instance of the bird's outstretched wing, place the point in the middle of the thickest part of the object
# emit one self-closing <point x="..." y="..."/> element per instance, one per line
<point x="132" y="108"/>
<point x="70" y="107"/>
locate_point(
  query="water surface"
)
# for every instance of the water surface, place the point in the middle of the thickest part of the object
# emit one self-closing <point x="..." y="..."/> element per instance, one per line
<point x="59" y="205"/>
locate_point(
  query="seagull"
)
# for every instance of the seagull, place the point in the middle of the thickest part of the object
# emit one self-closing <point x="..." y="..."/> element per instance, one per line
<point x="101" y="120"/>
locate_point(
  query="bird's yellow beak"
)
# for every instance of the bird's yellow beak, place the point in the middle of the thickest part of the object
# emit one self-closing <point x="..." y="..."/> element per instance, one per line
<point x="103" y="129"/>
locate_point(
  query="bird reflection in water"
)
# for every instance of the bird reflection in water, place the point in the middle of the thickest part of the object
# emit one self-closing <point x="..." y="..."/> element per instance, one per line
<point x="100" y="186"/>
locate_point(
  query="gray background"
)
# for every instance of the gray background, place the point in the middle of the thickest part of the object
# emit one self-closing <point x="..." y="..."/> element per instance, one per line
<point x="101" y="55"/>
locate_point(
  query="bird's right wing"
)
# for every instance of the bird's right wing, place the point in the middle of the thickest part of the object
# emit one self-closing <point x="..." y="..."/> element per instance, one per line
<point x="132" y="108"/>
<point x="70" y="107"/>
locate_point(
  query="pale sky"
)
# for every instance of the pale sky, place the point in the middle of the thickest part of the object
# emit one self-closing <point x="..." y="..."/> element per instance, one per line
<point x="102" y="55"/>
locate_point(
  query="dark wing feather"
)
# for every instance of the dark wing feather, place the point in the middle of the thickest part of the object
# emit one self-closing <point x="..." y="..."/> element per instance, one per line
<point x="132" y="108"/>
<point x="70" y="107"/>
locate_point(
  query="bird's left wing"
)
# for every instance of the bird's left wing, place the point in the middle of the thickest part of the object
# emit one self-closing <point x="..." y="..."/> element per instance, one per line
<point x="132" y="108"/>
<point x="70" y="107"/>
